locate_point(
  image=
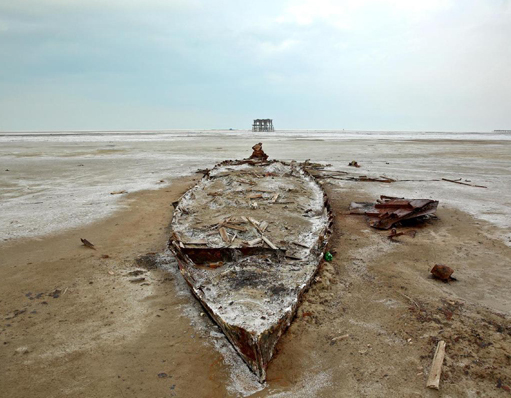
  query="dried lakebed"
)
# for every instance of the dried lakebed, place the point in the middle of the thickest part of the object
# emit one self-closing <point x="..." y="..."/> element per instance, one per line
<point x="249" y="238"/>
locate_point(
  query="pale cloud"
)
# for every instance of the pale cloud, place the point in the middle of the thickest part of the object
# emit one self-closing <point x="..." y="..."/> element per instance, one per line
<point x="348" y="14"/>
<point x="270" y="48"/>
<point x="371" y="64"/>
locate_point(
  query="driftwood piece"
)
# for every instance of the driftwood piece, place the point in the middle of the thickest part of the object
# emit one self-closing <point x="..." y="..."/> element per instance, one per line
<point x="269" y="242"/>
<point x="223" y="234"/>
<point x="343" y="337"/>
<point x="88" y="244"/>
<point x="436" y="366"/>
<point x="253" y="242"/>
<point x="254" y="222"/>
<point x="463" y="183"/>
<point x="262" y="226"/>
<point x="230" y="226"/>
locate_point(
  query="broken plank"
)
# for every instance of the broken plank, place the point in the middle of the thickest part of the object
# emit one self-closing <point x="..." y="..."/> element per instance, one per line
<point x="300" y="244"/>
<point x="268" y="242"/>
<point x="262" y="226"/>
<point x="253" y="242"/>
<point x="223" y="234"/>
<point x="230" y="226"/>
<point x="436" y="366"/>
<point x="464" y="183"/>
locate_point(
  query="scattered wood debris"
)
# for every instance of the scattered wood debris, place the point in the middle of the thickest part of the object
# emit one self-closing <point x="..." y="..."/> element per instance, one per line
<point x="231" y="226"/>
<point x="389" y="210"/>
<point x="436" y="366"/>
<point x="118" y="192"/>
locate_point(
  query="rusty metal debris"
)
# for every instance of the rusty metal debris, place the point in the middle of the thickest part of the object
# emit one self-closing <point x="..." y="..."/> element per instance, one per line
<point x="388" y="210"/>
<point x="258" y="152"/>
<point x="443" y="272"/>
<point x="250" y="265"/>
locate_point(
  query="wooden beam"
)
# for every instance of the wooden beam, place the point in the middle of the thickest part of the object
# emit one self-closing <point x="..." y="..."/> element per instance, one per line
<point x="436" y="366"/>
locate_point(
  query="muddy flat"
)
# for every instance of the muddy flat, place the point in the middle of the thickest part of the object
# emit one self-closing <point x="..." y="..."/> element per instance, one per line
<point x="74" y="323"/>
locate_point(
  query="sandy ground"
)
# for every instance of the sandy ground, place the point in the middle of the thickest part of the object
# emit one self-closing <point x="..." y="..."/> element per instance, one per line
<point x="77" y="324"/>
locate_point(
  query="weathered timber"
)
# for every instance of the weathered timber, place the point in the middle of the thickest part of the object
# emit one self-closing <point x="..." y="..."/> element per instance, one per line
<point x="436" y="366"/>
<point x="388" y="211"/>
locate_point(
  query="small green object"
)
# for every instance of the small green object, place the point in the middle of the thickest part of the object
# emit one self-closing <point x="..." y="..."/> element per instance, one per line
<point x="328" y="256"/>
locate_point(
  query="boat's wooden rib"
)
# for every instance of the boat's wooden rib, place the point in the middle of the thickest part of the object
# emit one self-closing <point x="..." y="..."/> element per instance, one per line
<point x="250" y="279"/>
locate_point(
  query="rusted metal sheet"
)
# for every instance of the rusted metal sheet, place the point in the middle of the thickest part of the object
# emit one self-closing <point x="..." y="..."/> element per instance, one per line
<point x="443" y="272"/>
<point x="258" y="152"/>
<point x="250" y="279"/>
<point x="389" y="210"/>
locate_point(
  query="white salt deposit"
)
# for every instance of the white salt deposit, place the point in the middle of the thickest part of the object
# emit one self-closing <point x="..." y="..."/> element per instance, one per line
<point x="47" y="189"/>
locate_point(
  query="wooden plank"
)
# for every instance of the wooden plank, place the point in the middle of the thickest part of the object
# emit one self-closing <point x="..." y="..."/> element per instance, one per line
<point x="223" y="234"/>
<point x="262" y="226"/>
<point x="253" y="242"/>
<point x="268" y="242"/>
<point x="464" y="183"/>
<point x="436" y="366"/>
<point x="234" y="227"/>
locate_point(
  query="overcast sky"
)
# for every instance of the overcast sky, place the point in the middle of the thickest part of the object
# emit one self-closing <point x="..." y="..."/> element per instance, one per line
<point x="325" y="64"/>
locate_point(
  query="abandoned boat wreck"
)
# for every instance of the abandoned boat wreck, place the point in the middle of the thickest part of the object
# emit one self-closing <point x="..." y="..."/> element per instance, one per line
<point x="249" y="238"/>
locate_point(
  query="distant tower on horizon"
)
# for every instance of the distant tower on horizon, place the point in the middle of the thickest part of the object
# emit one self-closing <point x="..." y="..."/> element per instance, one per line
<point x="263" y="125"/>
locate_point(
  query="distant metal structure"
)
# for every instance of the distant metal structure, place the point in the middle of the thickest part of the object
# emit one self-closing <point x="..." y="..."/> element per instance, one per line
<point x="263" y="125"/>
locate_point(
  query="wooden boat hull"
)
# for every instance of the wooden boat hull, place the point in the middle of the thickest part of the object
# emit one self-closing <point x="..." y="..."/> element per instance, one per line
<point x="249" y="238"/>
